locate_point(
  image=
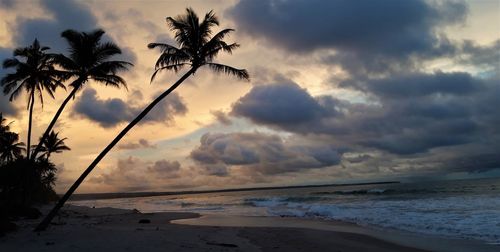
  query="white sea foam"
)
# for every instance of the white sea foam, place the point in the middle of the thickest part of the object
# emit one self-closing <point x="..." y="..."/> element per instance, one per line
<point x="469" y="217"/>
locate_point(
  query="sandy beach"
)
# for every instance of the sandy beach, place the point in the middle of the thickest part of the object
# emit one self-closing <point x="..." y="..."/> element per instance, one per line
<point x="109" y="229"/>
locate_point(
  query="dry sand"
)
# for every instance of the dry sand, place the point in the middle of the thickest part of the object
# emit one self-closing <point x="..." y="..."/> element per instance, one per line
<point x="108" y="229"/>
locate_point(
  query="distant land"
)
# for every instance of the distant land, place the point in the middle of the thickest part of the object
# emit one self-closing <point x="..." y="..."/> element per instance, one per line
<point x="95" y="196"/>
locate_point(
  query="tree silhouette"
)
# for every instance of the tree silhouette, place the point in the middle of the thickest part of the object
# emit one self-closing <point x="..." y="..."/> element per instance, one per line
<point x="53" y="144"/>
<point x="4" y="127"/>
<point x="10" y="148"/>
<point x="88" y="59"/>
<point x="34" y="73"/>
<point x="196" y="48"/>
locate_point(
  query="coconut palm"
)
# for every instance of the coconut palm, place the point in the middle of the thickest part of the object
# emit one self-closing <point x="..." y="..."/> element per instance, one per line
<point x="196" y="48"/>
<point x="89" y="59"/>
<point x="35" y="73"/>
<point x="10" y="148"/>
<point x="53" y="144"/>
<point x="4" y="127"/>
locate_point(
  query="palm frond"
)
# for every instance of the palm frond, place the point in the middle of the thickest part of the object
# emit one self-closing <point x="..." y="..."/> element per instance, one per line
<point x="220" y="68"/>
<point x="111" y="80"/>
<point x="174" y="67"/>
<point x="12" y="62"/>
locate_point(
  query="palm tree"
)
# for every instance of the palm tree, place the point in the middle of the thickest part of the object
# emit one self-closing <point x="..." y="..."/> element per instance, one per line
<point x="3" y="128"/>
<point x="35" y="74"/>
<point x="196" y="48"/>
<point x="88" y="59"/>
<point x="53" y="144"/>
<point x="10" y="148"/>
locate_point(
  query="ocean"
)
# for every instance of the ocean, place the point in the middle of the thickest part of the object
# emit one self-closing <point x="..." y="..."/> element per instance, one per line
<point x="463" y="209"/>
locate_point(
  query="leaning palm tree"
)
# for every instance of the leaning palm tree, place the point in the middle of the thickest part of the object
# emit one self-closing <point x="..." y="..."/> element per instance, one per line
<point x="53" y="144"/>
<point x="88" y="59"/>
<point x="35" y="73"/>
<point x="197" y="48"/>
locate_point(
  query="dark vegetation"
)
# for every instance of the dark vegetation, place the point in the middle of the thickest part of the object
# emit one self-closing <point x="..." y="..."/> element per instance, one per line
<point x="24" y="182"/>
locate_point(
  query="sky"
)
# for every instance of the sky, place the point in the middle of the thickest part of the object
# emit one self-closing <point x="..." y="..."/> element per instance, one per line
<point x="340" y="91"/>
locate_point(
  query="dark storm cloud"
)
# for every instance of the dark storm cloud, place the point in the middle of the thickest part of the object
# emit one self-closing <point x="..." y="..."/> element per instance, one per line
<point x="66" y="14"/>
<point x="283" y="103"/>
<point x="110" y="112"/>
<point x="370" y="35"/>
<point x="487" y="58"/>
<point x="419" y="84"/>
<point x="6" y="107"/>
<point x="7" y="4"/>
<point x="400" y="121"/>
<point x="259" y="153"/>
<point x="476" y="163"/>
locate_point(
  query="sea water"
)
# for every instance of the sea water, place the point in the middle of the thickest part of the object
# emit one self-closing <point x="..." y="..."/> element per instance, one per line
<point x="464" y="209"/>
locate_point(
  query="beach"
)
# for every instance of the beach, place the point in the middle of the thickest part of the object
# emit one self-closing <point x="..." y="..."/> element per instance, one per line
<point x="110" y="229"/>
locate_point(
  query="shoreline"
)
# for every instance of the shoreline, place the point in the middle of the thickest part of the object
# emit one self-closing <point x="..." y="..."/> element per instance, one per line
<point x="403" y="238"/>
<point x="80" y="228"/>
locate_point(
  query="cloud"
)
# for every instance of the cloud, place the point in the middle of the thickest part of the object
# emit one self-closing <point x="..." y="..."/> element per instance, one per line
<point x="486" y="58"/>
<point x="142" y="143"/>
<point x="281" y="103"/>
<point x="165" y="169"/>
<point x="6" y="107"/>
<point x="418" y="85"/>
<point x="368" y="35"/>
<point x="7" y="4"/>
<point x="135" y="174"/>
<point x="259" y="153"/>
<point x="221" y="117"/>
<point x="110" y="112"/>
<point x="408" y="114"/>
<point x="63" y="15"/>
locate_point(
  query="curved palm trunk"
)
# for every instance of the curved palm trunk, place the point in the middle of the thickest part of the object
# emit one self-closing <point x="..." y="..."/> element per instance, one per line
<point x="53" y="122"/>
<point x="32" y="104"/>
<point x="46" y="221"/>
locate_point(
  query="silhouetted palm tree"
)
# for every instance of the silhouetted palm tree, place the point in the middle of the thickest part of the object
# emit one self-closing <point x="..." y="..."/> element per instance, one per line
<point x="88" y="59"/>
<point x="53" y="144"/>
<point x="10" y="148"/>
<point x="196" y="48"/>
<point x="4" y="127"/>
<point x="34" y="74"/>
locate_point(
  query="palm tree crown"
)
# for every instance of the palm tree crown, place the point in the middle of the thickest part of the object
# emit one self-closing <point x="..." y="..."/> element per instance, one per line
<point x="89" y="58"/>
<point x="196" y="45"/>
<point x="53" y="144"/>
<point x="35" y="74"/>
<point x="10" y="148"/>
